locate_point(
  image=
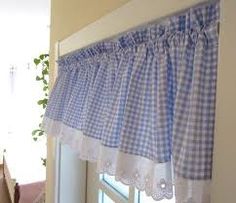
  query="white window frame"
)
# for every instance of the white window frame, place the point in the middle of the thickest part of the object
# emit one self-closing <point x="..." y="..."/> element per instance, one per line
<point x="95" y="184"/>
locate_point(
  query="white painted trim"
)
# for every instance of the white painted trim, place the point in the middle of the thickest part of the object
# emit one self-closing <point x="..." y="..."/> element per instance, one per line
<point x="63" y="170"/>
<point x="57" y="143"/>
<point x="111" y="193"/>
<point x="132" y="14"/>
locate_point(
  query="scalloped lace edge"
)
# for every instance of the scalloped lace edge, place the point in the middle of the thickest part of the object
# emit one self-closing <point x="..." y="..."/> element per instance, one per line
<point x="132" y="170"/>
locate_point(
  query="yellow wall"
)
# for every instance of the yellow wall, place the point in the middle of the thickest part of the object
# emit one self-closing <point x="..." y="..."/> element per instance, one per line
<point x="72" y="15"/>
<point x="224" y="170"/>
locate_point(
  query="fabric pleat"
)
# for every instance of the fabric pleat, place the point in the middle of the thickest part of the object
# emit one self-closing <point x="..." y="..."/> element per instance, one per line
<point x="144" y="102"/>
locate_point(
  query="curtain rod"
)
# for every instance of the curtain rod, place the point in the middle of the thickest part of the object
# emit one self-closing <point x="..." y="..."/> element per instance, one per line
<point x="157" y="20"/>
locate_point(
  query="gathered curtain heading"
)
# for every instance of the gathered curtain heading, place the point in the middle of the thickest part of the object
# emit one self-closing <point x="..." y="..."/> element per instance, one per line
<point x="144" y="102"/>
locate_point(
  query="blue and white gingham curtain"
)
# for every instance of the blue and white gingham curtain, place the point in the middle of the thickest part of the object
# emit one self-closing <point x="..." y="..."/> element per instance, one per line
<point x="143" y="102"/>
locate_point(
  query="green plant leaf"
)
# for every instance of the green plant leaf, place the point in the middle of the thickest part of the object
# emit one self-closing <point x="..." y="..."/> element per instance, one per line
<point x="35" y="131"/>
<point x="46" y="63"/>
<point x="42" y="56"/>
<point x="44" y="161"/>
<point x="43" y="101"/>
<point x="40" y="102"/>
<point x="45" y="72"/>
<point x="45" y="88"/>
<point x="38" y="78"/>
<point x="45" y="82"/>
<point x="42" y="63"/>
<point x="41" y="133"/>
<point x="36" y="61"/>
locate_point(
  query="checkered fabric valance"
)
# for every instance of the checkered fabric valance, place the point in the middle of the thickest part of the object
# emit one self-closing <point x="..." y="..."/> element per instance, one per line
<point x="142" y="103"/>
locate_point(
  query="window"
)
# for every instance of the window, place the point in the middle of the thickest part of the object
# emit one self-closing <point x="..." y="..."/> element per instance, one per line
<point x="112" y="191"/>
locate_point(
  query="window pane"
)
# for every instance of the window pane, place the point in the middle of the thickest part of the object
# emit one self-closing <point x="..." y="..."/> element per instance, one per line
<point x="103" y="198"/>
<point x="118" y="186"/>
<point x="143" y="198"/>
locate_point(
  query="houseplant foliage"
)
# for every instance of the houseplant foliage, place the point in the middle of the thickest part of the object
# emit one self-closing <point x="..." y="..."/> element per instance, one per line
<point x="42" y="64"/>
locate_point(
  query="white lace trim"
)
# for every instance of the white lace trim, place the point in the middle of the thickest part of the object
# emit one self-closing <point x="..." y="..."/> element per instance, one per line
<point x="153" y="178"/>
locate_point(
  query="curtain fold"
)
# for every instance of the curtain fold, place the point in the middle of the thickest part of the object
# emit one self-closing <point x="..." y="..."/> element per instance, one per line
<point x="143" y="103"/>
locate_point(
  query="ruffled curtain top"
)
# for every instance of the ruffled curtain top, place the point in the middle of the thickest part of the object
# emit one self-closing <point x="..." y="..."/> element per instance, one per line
<point x="142" y="101"/>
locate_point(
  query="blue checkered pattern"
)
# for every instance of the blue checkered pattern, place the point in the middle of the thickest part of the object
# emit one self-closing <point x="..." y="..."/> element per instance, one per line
<point x="150" y="92"/>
